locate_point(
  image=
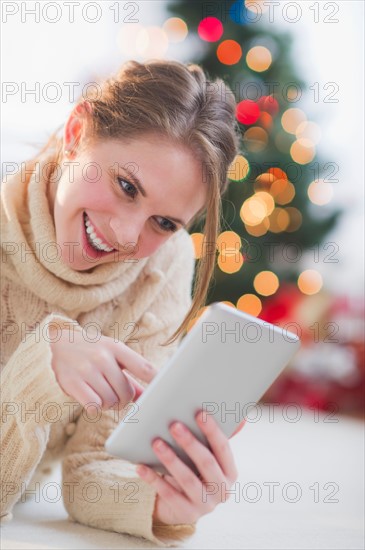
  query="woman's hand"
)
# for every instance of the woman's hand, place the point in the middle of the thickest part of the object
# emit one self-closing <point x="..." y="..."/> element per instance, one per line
<point x="182" y="497"/>
<point x="91" y="372"/>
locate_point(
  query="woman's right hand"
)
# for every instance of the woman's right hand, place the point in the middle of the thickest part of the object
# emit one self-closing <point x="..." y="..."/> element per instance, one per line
<point x="95" y="372"/>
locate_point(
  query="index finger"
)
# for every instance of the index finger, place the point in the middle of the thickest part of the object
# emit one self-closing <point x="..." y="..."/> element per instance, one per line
<point x="134" y="362"/>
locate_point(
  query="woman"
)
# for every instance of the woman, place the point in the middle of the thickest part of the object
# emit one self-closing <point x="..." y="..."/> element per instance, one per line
<point x="97" y="273"/>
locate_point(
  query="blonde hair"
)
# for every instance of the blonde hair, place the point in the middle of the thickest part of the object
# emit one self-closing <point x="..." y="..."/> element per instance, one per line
<point x="177" y="101"/>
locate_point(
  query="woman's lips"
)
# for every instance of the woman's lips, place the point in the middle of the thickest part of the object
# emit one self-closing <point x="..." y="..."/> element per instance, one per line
<point x="99" y="235"/>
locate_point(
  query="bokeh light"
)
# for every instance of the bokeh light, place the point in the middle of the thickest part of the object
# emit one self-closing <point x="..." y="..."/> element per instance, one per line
<point x="265" y="120"/>
<point x="259" y="58"/>
<point x="264" y="181"/>
<point x="230" y="260"/>
<point x="266" y="283"/>
<point x="247" y="111"/>
<point x="279" y="220"/>
<point x="278" y="173"/>
<point x="227" y="303"/>
<point x="269" y="104"/>
<point x="249" y="303"/>
<point x="239" y="169"/>
<point x="229" y="52"/>
<point x="320" y="192"/>
<point x="198" y="239"/>
<point x="308" y="130"/>
<point x="176" y="29"/>
<point x="302" y="153"/>
<point x="256" y="208"/>
<point x="255" y="139"/>
<point x="283" y="191"/>
<point x="260" y="229"/>
<point x="210" y="29"/>
<point x="228" y="240"/>
<point x="295" y="219"/>
<point x="267" y="199"/>
<point x="291" y="119"/>
<point x="310" y="281"/>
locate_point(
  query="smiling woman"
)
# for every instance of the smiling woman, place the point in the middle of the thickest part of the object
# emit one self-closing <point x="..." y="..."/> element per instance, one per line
<point x="115" y="195"/>
<point x="176" y="131"/>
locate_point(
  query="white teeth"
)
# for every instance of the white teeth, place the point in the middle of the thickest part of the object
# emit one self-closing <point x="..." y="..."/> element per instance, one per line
<point x="93" y="239"/>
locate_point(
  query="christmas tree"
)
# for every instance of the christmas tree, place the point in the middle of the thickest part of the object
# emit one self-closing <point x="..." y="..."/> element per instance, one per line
<point x="277" y="182"/>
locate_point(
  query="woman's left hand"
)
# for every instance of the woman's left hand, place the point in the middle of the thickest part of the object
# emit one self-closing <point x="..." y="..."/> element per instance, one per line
<point x="182" y="497"/>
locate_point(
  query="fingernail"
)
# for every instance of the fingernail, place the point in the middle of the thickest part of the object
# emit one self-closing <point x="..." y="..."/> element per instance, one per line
<point x="160" y="445"/>
<point x="179" y="428"/>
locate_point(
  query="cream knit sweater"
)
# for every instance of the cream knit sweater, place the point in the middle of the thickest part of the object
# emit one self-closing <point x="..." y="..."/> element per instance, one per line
<point x="39" y="422"/>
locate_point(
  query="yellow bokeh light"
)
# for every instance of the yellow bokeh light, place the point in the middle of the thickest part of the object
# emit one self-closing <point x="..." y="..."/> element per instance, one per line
<point x="264" y="181"/>
<point x="259" y="58"/>
<point x="320" y="192"/>
<point x="253" y="211"/>
<point x="198" y="239"/>
<point x="302" y="154"/>
<point x="249" y="303"/>
<point x="255" y="139"/>
<point x="228" y="239"/>
<point x="266" y="283"/>
<point x="291" y="119"/>
<point x="227" y="303"/>
<point x="176" y="29"/>
<point x="295" y="219"/>
<point x="310" y="281"/>
<point x="267" y="199"/>
<point x="239" y="168"/>
<point x="279" y="220"/>
<point x="283" y="191"/>
<point x="309" y="130"/>
<point x="260" y="229"/>
<point x="230" y="261"/>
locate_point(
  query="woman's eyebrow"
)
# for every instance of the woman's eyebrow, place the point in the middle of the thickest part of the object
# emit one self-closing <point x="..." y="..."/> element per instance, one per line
<point x="142" y="190"/>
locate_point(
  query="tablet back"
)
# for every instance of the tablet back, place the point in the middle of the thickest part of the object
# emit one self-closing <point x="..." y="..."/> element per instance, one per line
<point x="223" y="365"/>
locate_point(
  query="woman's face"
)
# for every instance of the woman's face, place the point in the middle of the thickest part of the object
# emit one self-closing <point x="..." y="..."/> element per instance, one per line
<point x="98" y="198"/>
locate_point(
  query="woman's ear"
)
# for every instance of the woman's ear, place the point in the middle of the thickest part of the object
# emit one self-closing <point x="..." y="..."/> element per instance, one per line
<point x="74" y="127"/>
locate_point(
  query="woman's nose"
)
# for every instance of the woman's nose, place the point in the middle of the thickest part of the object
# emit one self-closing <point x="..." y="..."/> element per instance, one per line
<point x="126" y="234"/>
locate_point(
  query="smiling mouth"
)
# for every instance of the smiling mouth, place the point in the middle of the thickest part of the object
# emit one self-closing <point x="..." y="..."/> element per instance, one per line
<point x="92" y="237"/>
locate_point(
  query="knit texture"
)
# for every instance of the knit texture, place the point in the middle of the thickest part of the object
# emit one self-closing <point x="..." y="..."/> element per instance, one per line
<point x="39" y="422"/>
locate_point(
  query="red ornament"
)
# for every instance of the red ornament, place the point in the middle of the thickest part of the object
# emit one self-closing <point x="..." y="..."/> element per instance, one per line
<point x="269" y="104"/>
<point x="210" y="29"/>
<point x="247" y="112"/>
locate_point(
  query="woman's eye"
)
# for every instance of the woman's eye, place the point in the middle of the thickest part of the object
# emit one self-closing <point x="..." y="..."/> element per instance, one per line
<point x="169" y="227"/>
<point x="128" y="188"/>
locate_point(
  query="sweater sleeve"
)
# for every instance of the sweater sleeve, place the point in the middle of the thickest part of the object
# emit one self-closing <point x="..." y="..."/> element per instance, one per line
<point x="28" y="388"/>
<point x="118" y="499"/>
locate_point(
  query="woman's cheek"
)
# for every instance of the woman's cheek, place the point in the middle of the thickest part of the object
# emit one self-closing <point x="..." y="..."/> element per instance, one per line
<point x="148" y="245"/>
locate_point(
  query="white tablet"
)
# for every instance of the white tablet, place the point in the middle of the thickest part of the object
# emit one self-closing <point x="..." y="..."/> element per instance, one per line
<point x="224" y="365"/>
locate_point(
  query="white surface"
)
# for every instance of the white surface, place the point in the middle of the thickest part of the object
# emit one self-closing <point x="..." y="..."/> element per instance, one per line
<point x="273" y="449"/>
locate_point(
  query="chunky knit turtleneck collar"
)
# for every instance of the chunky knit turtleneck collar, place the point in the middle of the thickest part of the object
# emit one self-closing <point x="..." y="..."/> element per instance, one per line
<point x="29" y="258"/>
